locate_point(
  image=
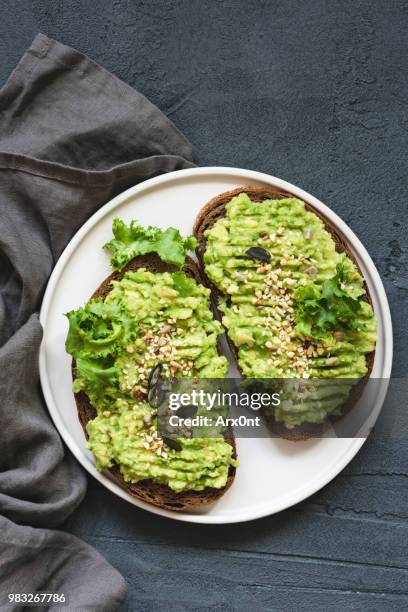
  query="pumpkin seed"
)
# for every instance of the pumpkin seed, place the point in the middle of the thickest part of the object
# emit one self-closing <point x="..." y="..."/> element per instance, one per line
<point x="258" y="254"/>
<point x="186" y="412"/>
<point x="154" y="376"/>
<point x="171" y="443"/>
<point x="153" y="397"/>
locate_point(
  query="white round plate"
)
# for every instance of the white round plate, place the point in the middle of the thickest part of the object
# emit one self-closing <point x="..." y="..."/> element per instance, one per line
<point x="273" y="474"/>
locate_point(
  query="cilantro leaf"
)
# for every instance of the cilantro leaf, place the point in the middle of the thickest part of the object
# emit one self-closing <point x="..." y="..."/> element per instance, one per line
<point x="130" y="241"/>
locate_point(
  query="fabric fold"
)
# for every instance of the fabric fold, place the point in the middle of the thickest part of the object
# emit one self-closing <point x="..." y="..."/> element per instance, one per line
<point x="72" y="136"/>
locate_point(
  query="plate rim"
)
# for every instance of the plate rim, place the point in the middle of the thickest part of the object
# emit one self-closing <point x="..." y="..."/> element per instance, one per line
<point x="312" y="486"/>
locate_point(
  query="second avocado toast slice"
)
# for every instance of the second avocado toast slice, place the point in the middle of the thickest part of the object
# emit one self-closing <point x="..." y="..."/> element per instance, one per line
<point x="146" y="314"/>
<point x="292" y="299"/>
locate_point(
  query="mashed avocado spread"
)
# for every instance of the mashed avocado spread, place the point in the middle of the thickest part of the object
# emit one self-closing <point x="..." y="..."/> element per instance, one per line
<point x="147" y="319"/>
<point x="297" y="313"/>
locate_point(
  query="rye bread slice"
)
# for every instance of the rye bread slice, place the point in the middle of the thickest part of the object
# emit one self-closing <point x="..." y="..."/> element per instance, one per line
<point x="206" y="218"/>
<point x="147" y="490"/>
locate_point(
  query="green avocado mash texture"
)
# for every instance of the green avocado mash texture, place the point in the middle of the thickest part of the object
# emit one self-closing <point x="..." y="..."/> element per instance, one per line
<point x="299" y="316"/>
<point x="147" y="319"/>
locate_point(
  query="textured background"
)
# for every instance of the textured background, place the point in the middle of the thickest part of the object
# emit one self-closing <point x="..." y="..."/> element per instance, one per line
<point x="313" y="92"/>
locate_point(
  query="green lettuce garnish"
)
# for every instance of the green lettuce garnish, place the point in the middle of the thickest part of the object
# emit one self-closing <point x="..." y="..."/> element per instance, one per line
<point x="321" y="309"/>
<point x="130" y="241"/>
<point x="184" y="285"/>
<point x="98" y="330"/>
<point x="97" y="377"/>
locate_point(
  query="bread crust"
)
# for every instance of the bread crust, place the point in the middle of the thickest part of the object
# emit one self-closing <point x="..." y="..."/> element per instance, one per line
<point x="147" y="490"/>
<point x="206" y="218"/>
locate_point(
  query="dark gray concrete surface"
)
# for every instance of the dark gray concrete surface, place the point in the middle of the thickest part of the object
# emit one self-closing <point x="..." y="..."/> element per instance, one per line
<point x="313" y="92"/>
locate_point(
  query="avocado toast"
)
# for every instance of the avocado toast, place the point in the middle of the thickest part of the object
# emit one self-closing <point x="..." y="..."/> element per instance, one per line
<point x="292" y="299"/>
<point x="148" y="313"/>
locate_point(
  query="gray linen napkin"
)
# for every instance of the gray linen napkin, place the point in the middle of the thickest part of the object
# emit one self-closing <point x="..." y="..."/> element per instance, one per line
<point x="71" y="137"/>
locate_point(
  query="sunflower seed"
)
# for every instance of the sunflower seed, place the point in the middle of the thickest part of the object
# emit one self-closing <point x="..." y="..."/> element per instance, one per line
<point x="312" y="270"/>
